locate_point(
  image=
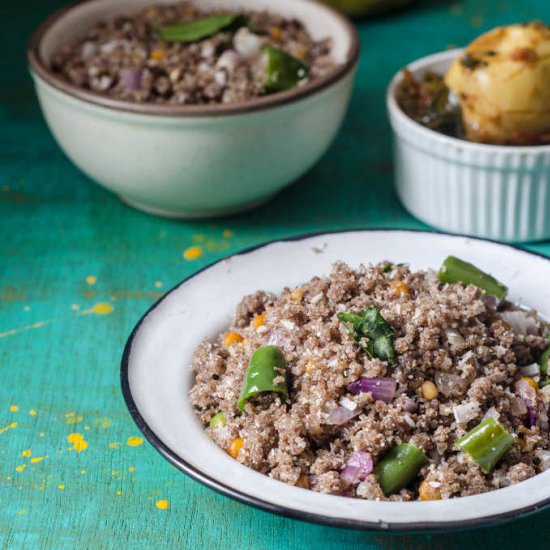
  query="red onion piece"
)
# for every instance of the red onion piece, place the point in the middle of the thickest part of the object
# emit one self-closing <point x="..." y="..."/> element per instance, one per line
<point x="341" y="415"/>
<point x="520" y="322"/>
<point x="358" y="467"/>
<point x="528" y="395"/>
<point x="131" y="79"/>
<point x="382" y="388"/>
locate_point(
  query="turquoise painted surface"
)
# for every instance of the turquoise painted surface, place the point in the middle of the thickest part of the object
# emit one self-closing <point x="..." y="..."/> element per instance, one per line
<point x="59" y="366"/>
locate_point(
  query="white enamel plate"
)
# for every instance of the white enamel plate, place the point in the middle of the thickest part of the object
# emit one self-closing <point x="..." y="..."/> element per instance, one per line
<point x="156" y="371"/>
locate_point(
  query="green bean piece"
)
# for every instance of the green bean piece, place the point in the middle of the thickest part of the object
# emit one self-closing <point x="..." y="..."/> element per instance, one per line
<point x="486" y="443"/>
<point x="545" y="359"/>
<point x="218" y="420"/>
<point x="455" y="270"/>
<point x="399" y="467"/>
<point x="266" y="364"/>
<point x="192" y="31"/>
<point x="371" y="331"/>
<point x="282" y="70"/>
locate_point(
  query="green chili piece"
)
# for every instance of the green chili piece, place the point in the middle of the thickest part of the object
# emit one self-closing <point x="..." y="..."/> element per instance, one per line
<point x="486" y="443"/>
<point x="282" y="70"/>
<point x="399" y="467"/>
<point x="371" y="331"/>
<point x="192" y="31"/>
<point x="218" y="420"/>
<point x="266" y="364"/>
<point x="545" y="359"/>
<point x="455" y="270"/>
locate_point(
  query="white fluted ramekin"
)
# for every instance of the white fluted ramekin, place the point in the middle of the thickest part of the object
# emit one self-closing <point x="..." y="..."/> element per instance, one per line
<point x="496" y="192"/>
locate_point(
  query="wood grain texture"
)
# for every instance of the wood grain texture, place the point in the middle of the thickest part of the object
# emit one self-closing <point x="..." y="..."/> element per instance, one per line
<point x="59" y="367"/>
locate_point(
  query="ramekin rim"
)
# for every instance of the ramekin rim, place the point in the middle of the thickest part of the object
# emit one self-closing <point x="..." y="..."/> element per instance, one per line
<point x="408" y="123"/>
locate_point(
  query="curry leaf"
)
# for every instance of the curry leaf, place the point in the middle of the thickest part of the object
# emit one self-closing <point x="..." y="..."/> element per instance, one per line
<point x="371" y="331"/>
<point x="201" y="28"/>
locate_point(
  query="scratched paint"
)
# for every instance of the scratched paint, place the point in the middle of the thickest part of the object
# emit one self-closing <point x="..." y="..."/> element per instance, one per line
<point x="8" y="427"/>
<point x="26" y="328"/>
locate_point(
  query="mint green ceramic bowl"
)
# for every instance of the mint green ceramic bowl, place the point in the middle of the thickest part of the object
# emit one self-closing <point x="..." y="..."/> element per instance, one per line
<point x="195" y="161"/>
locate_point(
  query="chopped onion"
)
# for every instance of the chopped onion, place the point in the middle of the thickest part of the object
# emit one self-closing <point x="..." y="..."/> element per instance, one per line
<point x="491" y="302"/>
<point x="491" y="413"/>
<point x="528" y="395"/>
<point x="247" y="43"/>
<point x="228" y="60"/>
<point x="358" y="467"/>
<point x="341" y="415"/>
<point x="465" y="412"/>
<point x="410" y="405"/>
<point x="454" y="337"/>
<point x="382" y="388"/>
<point x="450" y="385"/>
<point x="131" y="79"/>
<point x="520" y="322"/>
<point x="530" y="370"/>
<point x="544" y="458"/>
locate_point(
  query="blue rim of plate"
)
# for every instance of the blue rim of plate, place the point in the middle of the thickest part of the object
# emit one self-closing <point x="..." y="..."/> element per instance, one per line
<point x="240" y="496"/>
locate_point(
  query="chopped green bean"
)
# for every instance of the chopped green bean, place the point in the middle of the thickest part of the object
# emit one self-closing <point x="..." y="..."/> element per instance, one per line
<point x="282" y="70"/>
<point x="486" y="443"/>
<point x="218" y="420"/>
<point x="265" y="366"/>
<point x="455" y="270"/>
<point x="192" y="31"/>
<point x="371" y="331"/>
<point x="545" y="359"/>
<point x="399" y="467"/>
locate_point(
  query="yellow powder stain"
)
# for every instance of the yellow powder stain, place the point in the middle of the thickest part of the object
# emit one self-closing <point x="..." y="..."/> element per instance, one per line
<point x="15" y="331"/>
<point x="78" y="442"/>
<point x="199" y="238"/>
<point x="21" y="512"/>
<point x="8" y="427"/>
<point x="102" y="308"/>
<point x="26" y="452"/>
<point x="114" y="445"/>
<point x="132" y="469"/>
<point x="227" y="233"/>
<point x="37" y="459"/>
<point x="192" y="253"/>
<point x="476" y="21"/>
<point x="114" y="472"/>
<point x="14" y="408"/>
<point x="134" y="441"/>
<point x="32" y="412"/>
<point x="119" y="492"/>
<point x="82" y="472"/>
<point x="20" y="468"/>
<point x="91" y="280"/>
<point x="102" y="423"/>
<point x="74" y="419"/>
<point x="61" y="486"/>
<point x="158" y="284"/>
<point x="162" y="504"/>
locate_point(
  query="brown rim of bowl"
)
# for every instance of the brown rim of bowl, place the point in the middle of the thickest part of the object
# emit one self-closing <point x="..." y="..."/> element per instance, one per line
<point x="40" y="68"/>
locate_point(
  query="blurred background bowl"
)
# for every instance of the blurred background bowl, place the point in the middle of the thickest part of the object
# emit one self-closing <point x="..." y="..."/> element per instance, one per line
<point x="499" y="192"/>
<point x="195" y="161"/>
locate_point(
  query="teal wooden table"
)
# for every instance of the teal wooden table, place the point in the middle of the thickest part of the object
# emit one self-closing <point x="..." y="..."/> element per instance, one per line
<point x="78" y="268"/>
